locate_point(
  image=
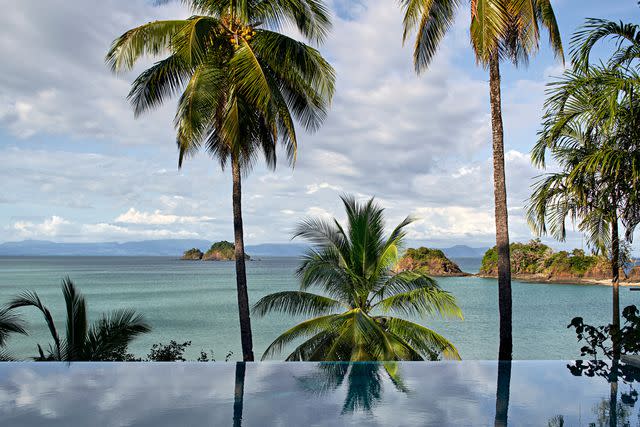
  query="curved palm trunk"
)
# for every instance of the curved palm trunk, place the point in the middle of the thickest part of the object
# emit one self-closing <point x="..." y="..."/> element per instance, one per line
<point x="501" y="214"/>
<point x="241" y="273"/>
<point x="615" y="282"/>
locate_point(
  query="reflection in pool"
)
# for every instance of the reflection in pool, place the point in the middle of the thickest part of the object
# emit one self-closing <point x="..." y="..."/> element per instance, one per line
<point x="469" y="393"/>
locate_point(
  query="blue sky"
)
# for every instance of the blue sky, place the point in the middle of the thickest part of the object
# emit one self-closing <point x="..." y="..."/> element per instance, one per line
<point x="78" y="167"/>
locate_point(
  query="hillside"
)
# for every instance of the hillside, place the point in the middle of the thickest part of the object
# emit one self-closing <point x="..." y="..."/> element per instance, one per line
<point x="431" y="261"/>
<point x="538" y="262"/>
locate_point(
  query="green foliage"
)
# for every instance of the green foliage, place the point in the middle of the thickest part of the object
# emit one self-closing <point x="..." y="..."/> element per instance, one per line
<point x="423" y="253"/>
<point x="193" y="253"/>
<point x="430" y="261"/>
<point x="591" y="128"/>
<point x="222" y="250"/>
<point x="105" y="340"/>
<point x="242" y="83"/>
<point x="172" y="352"/>
<point x="507" y="29"/>
<point x="222" y="246"/>
<point x="537" y="258"/>
<point x="354" y="268"/>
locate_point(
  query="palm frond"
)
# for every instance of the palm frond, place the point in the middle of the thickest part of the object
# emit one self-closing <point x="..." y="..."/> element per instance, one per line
<point x="31" y="299"/>
<point x="421" y="338"/>
<point x="296" y="303"/>
<point x="112" y="333"/>
<point x="151" y="39"/>
<point x="304" y="329"/>
<point x="422" y="301"/>
<point x="10" y="323"/>
<point x="77" y="323"/>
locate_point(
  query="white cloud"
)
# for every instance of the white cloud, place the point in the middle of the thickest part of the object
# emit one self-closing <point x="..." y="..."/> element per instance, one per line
<point x="133" y="216"/>
<point x="314" y="188"/>
<point x="419" y="144"/>
<point x="50" y="227"/>
<point x="451" y="222"/>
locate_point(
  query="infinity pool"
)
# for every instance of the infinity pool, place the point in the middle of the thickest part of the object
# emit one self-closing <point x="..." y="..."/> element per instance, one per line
<point x="470" y="393"/>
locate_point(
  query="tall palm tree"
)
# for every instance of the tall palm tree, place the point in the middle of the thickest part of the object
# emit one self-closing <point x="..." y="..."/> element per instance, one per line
<point x="591" y="130"/>
<point x="10" y="323"/>
<point x="242" y="84"/>
<point x="104" y="340"/>
<point x="500" y="30"/>
<point x="355" y="268"/>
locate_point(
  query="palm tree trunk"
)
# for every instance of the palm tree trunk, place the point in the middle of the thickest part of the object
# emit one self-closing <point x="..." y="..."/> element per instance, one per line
<point x="615" y="282"/>
<point x="241" y="272"/>
<point x="501" y="214"/>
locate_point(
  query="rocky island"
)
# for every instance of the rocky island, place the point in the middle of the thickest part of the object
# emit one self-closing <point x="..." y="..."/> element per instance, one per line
<point x="537" y="262"/>
<point x="219" y="251"/>
<point x="430" y="261"/>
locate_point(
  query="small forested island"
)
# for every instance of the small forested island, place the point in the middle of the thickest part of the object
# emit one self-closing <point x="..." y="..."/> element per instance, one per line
<point x="219" y="251"/>
<point x="430" y="261"/>
<point x="535" y="261"/>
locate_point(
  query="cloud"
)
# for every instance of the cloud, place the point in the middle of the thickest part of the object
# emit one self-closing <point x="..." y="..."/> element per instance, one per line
<point x="71" y="148"/>
<point x="50" y="227"/>
<point x="314" y="188"/>
<point x="133" y="216"/>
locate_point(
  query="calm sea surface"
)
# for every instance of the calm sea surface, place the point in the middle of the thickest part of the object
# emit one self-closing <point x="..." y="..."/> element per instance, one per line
<point x="196" y="301"/>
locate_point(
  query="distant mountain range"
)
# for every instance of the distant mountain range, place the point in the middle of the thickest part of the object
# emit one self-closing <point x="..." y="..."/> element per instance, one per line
<point x="172" y="247"/>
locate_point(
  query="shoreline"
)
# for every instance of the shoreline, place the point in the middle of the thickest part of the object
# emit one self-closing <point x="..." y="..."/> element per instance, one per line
<point x="534" y="279"/>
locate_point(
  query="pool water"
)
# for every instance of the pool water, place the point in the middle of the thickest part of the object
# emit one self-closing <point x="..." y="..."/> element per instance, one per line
<point x="468" y="393"/>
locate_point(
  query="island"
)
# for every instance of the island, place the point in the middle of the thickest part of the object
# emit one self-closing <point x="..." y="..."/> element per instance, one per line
<point x="429" y="261"/>
<point x="219" y="251"/>
<point x="537" y="262"/>
<point x="193" y="254"/>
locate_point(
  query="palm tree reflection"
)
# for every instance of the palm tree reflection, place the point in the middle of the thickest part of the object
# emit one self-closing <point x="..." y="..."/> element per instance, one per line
<point x="238" y="394"/>
<point x="364" y="382"/>
<point x="502" y="393"/>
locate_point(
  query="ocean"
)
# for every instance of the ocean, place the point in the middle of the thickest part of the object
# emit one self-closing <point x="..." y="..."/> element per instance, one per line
<point x="196" y="301"/>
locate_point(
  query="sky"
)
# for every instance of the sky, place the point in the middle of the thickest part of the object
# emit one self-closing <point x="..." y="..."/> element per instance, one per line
<point x="78" y="167"/>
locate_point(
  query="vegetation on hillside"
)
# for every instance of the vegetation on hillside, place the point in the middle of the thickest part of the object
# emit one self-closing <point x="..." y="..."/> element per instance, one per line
<point x="193" y="254"/>
<point x="221" y="251"/>
<point x="536" y="258"/>
<point x="429" y="261"/>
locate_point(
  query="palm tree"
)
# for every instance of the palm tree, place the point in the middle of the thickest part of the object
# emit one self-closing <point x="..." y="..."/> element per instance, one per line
<point x="242" y="84"/>
<point x="500" y="29"/>
<point x="591" y="130"/>
<point x="9" y="324"/>
<point x="105" y="340"/>
<point x="354" y="267"/>
<point x="626" y="35"/>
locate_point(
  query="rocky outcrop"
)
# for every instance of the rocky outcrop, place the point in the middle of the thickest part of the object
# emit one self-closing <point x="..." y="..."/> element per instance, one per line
<point x="220" y="251"/>
<point x="430" y="261"/>
<point x="193" y="254"/>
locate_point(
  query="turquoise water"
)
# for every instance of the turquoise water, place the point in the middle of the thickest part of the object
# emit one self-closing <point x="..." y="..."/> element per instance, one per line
<point x="438" y="394"/>
<point x="196" y="301"/>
